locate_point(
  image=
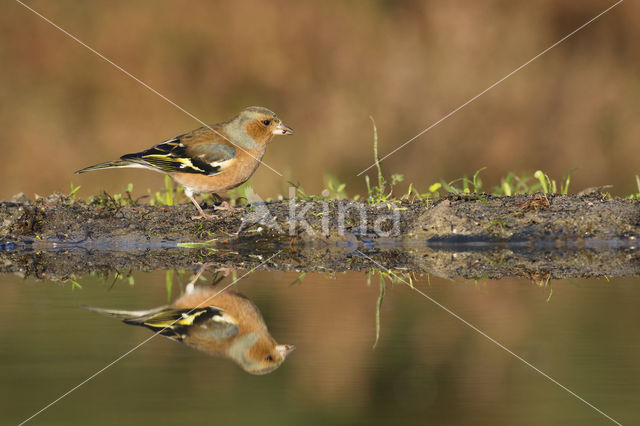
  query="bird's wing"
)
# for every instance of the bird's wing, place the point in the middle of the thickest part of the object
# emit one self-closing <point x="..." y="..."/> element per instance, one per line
<point x="175" y="323"/>
<point x="201" y="151"/>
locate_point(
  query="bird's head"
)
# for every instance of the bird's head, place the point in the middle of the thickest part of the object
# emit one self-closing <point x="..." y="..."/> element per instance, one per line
<point x="261" y="124"/>
<point x="265" y="355"/>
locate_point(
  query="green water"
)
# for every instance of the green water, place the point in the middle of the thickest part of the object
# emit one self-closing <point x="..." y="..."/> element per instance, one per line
<point x="427" y="368"/>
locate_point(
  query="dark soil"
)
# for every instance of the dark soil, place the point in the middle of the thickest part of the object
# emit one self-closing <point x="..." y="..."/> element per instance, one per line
<point x="470" y="236"/>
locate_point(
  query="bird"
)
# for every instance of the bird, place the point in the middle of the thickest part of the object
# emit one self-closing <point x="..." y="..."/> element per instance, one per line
<point x="225" y="324"/>
<point x="210" y="159"/>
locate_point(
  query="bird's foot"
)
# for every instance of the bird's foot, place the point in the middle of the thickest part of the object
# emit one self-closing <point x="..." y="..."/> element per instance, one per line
<point x="226" y="206"/>
<point x="225" y="271"/>
<point x="204" y="215"/>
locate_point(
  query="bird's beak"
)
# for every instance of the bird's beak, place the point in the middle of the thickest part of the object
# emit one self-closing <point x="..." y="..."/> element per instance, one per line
<point x="282" y="129"/>
<point x="285" y="350"/>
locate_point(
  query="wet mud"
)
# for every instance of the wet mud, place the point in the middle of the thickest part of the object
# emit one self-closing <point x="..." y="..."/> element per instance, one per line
<point x="469" y="235"/>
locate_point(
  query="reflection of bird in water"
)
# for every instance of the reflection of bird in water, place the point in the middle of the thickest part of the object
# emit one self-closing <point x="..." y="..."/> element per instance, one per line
<point x="222" y="324"/>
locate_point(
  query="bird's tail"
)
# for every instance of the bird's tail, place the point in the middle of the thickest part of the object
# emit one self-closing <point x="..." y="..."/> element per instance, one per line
<point x="125" y="315"/>
<point x="107" y="165"/>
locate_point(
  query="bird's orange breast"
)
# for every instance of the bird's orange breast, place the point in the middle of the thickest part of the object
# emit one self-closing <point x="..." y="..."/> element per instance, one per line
<point x="236" y="173"/>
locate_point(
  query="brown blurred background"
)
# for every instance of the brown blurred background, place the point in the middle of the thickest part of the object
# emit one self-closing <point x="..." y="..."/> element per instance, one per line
<point x="324" y="67"/>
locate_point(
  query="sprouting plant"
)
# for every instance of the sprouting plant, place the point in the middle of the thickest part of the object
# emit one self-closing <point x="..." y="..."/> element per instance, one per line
<point x="168" y="278"/>
<point x="378" y="193"/>
<point x="375" y="153"/>
<point x="468" y="185"/>
<point x="549" y="185"/>
<point x="514" y="185"/>
<point x="637" y="194"/>
<point x="118" y="276"/>
<point x="168" y="189"/>
<point x="550" y="290"/>
<point x="545" y="281"/>
<point x="394" y="278"/>
<point x="106" y="201"/>
<point x="564" y="187"/>
<point x="302" y="195"/>
<point x="239" y="193"/>
<point x="506" y="185"/>
<point x="378" y="307"/>
<point x="476" y="182"/>
<point x="167" y="197"/>
<point x="128" y="191"/>
<point x="434" y="192"/>
<point x="334" y="189"/>
<point x="74" y="283"/>
<point x="73" y="191"/>
<point x="201" y="244"/>
<point x="299" y="279"/>
<point x="126" y="200"/>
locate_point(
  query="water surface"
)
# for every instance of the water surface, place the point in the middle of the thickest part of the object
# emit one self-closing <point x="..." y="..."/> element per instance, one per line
<point x="427" y="367"/>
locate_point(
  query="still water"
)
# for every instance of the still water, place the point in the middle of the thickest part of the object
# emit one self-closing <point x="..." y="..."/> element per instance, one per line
<point x="428" y="367"/>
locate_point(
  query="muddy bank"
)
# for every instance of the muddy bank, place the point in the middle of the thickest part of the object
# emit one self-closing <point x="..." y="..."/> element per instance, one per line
<point x="459" y="236"/>
<point x="456" y="218"/>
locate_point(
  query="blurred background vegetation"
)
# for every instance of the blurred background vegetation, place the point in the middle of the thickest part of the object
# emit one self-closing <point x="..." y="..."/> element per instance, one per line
<point x="324" y="67"/>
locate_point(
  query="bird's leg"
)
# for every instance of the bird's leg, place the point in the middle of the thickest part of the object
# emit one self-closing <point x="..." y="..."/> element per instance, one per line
<point x="202" y="214"/>
<point x="192" y="284"/>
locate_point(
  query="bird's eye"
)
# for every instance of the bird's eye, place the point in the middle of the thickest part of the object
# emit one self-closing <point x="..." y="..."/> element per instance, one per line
<point x="266" y="122"/>
<point x="269" y="358"/>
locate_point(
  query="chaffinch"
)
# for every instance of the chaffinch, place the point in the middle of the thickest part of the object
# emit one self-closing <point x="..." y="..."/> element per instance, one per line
<point x="213" y="158"/>
<point x="224" y="324"/>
